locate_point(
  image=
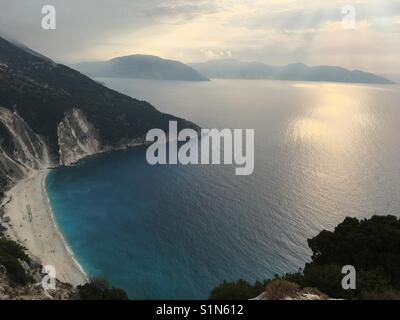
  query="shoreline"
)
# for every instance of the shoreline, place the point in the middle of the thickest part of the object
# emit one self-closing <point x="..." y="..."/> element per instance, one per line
<point x="34" y="226"/>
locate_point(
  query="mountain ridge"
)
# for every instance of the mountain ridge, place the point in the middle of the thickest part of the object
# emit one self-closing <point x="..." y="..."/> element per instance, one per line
<point x="235" y="69"/>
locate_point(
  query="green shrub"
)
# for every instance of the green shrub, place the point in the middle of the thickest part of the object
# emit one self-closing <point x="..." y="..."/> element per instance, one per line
<point x="367" y="245"/>
<point x="327" y="278"/>
<point x="14" y="249"/>
<point x="239" y="290"/>
<point x="10" y="252"/>
<point x="372" y="246"/>
<point x="99" y="289"/>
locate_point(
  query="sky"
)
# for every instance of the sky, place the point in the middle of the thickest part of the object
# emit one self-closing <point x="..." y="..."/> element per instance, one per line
<point x="276" y="32"/>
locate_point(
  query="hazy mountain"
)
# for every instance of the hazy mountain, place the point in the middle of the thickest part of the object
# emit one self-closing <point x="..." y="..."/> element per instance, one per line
<point x="235" y="69"/>
<point x="141" y="67"/>
<point x="392" y="77"/>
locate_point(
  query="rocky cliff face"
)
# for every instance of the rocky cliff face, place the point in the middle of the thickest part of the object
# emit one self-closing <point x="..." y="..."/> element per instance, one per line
<point x="21" y="149"/>
<point x="77" y="138"/>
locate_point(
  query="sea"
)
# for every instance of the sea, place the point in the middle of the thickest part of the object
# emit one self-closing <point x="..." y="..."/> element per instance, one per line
<point x="323" y="151"/>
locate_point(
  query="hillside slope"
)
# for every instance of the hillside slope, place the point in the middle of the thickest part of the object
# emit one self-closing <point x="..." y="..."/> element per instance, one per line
<point x="52" y="115"/>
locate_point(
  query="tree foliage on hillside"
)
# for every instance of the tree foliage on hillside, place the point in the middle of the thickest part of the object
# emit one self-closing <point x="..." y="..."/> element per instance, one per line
<point x="10" y="254"/>
<point x="372" y="246"/>
<point x="238" y="290"/>
<point x="99" y="289"/>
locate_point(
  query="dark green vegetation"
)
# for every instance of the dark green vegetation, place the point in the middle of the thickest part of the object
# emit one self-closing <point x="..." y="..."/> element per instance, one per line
<point x="372" y="246"/>
<point x="10" y="253"/>
<point x="238" y="290"/>
<point x="42" y="91"/>
<point x="235" y="69"/>
<point x="99" y="289"/>
<point x="141" y="67"/>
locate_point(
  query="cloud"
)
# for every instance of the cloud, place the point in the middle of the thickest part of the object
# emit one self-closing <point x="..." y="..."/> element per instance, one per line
<point x="310" y="16"/>
<point x="386" y="25"/>
<point x="272" y="31"/>
<point x="180" y="11"/>
<point x="80" y="24"/>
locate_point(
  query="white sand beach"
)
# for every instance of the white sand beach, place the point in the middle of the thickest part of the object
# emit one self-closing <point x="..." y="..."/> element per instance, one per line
<point x="32" y="224"/>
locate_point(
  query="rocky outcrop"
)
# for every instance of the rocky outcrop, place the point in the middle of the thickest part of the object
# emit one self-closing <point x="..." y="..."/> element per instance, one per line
<point x="21" y="150"/>
<point x="285" y="290"/>
<point x="33" y="291"/>
<point x="77" y="138"/>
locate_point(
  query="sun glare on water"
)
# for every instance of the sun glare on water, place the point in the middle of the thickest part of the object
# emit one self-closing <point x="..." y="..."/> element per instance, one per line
<point x="335" y="121"/>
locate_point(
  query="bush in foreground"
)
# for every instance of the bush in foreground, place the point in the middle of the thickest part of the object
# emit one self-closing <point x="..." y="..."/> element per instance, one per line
<point x="372" y="246"/>
<point x="99" y="289"/>
<point x="10" y="254"/>
<point x="239" y="290"/>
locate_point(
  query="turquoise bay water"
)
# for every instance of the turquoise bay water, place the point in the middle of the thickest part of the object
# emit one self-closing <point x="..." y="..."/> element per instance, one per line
<point x="322" y="152"/>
